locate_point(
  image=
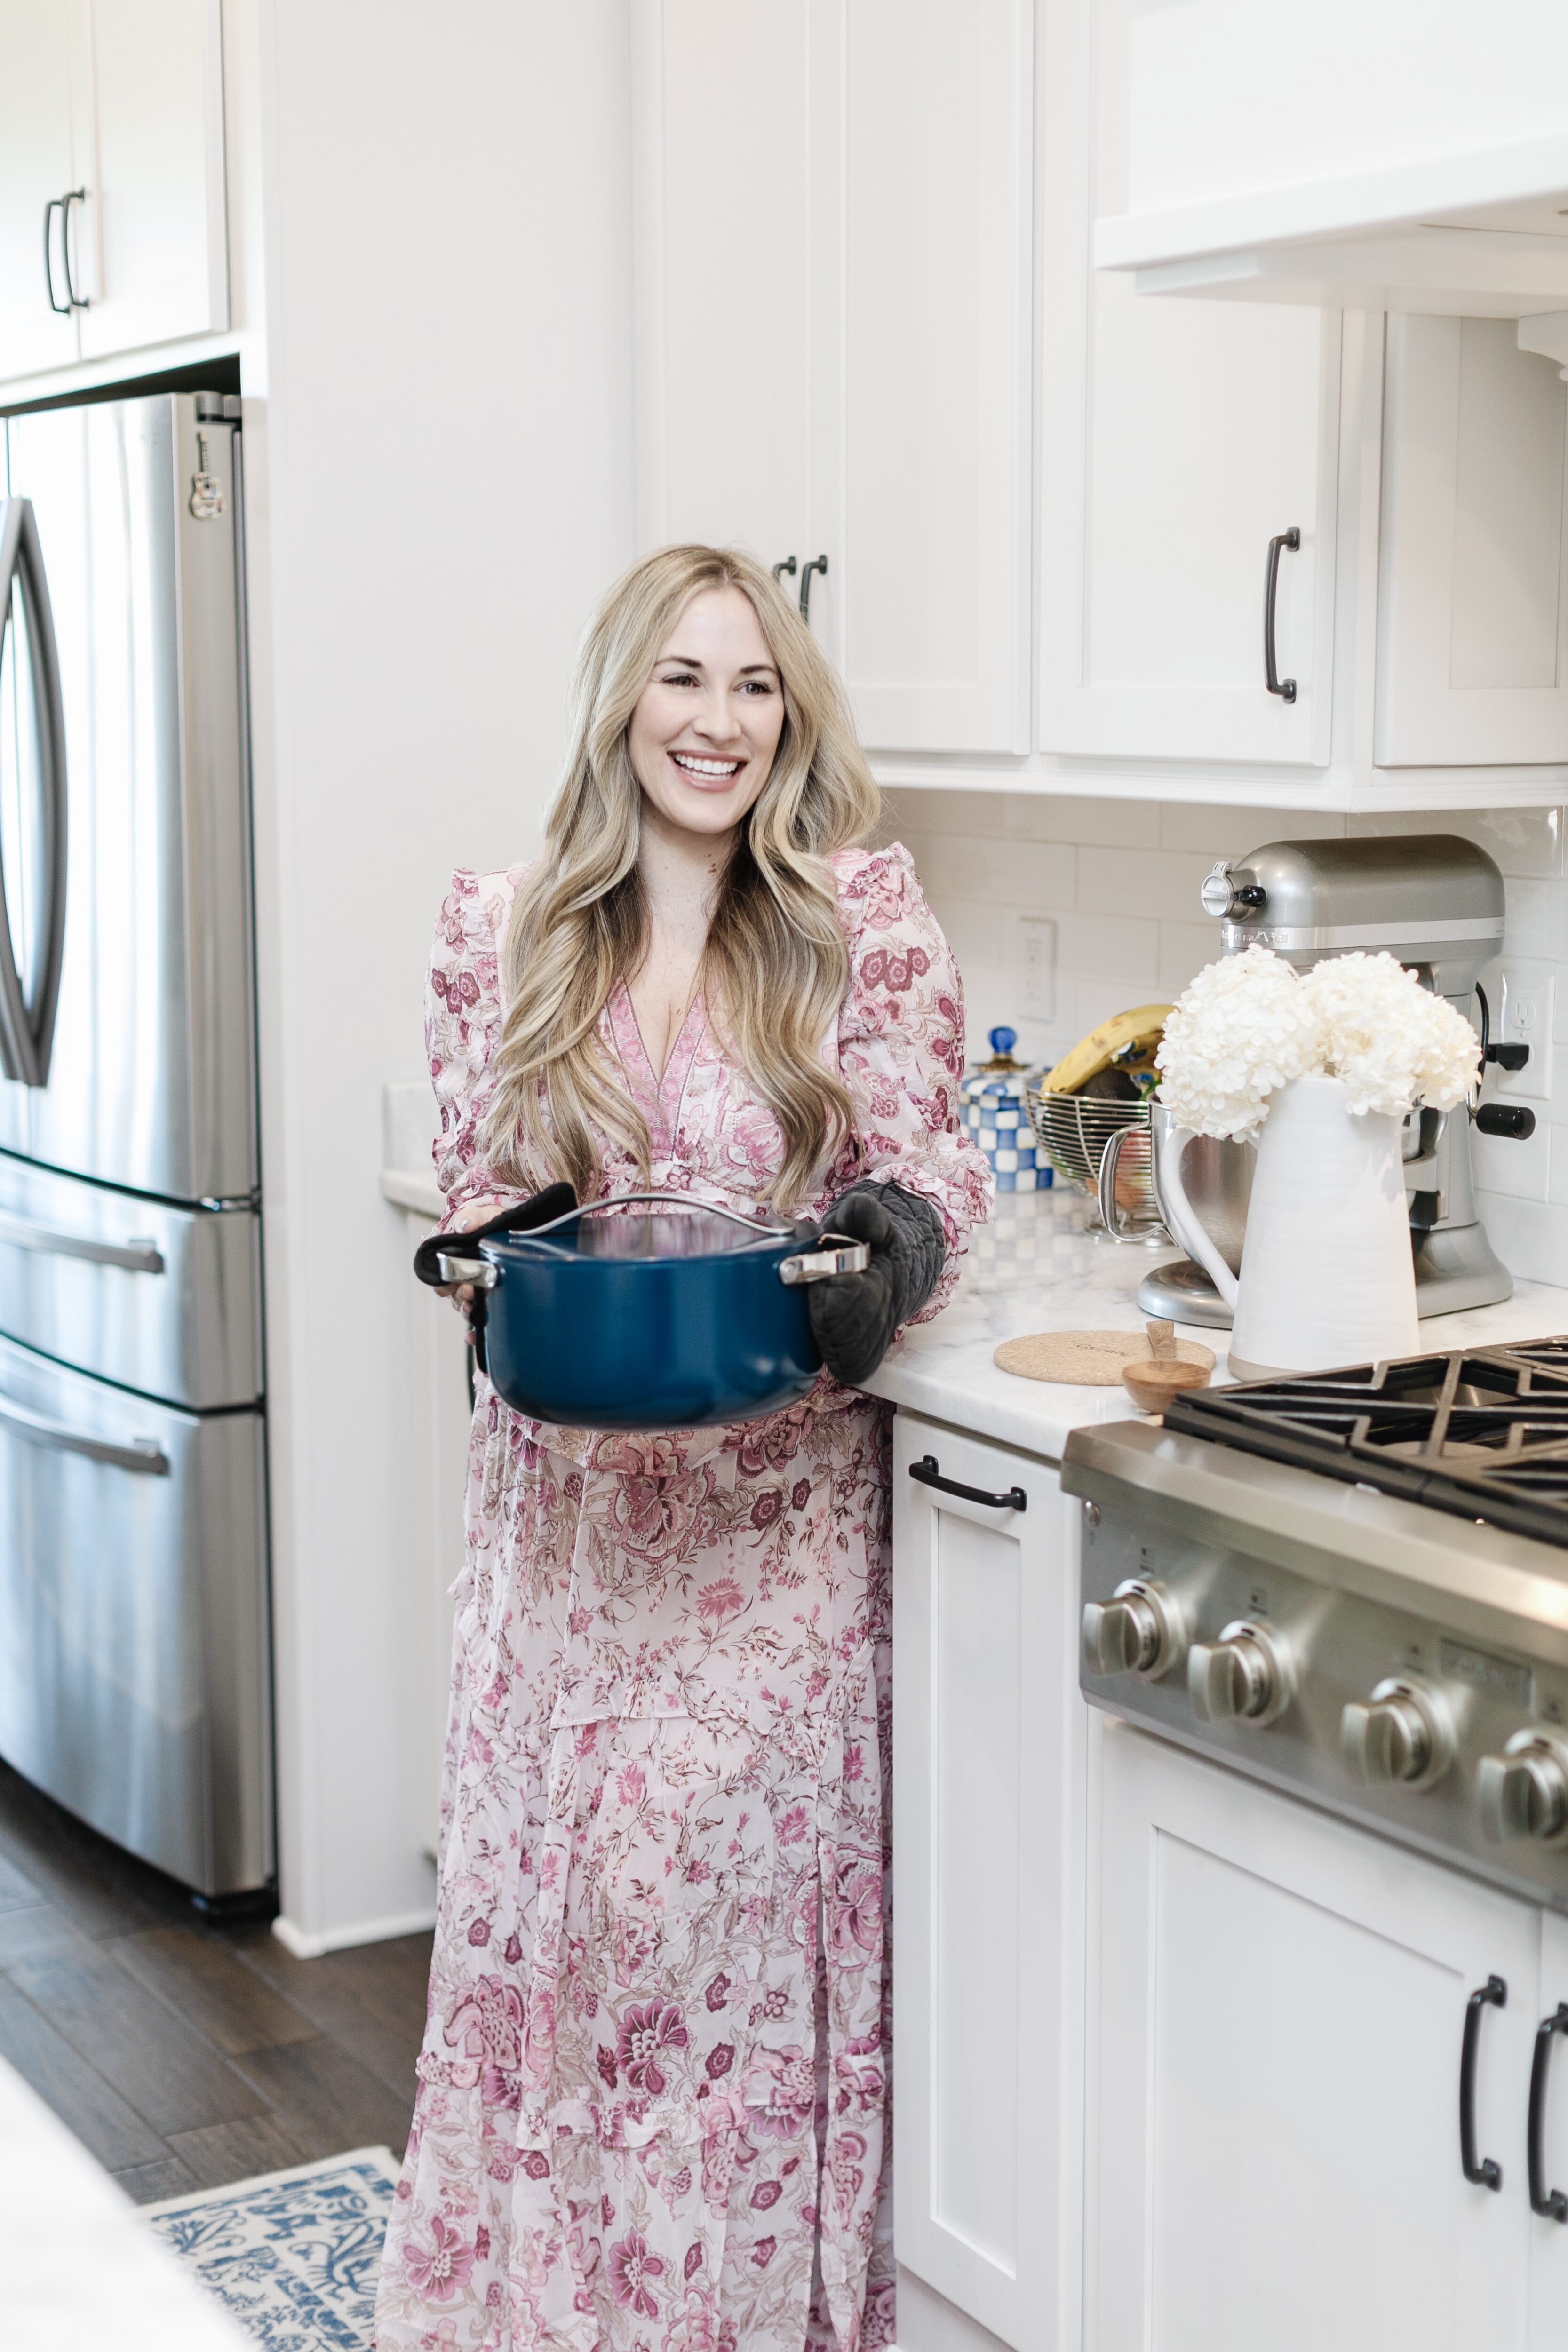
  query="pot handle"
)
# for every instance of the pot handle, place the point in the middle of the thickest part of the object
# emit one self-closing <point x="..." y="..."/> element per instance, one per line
<point x="820" y="1264"/>
<point x="1177" y="1209"/>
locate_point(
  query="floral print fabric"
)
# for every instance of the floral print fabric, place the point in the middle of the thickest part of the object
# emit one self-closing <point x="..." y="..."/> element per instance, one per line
<point x="653" y="2093"/>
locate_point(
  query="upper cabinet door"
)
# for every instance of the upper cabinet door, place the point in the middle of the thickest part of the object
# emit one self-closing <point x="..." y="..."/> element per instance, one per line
<point x="936" y="372"/>
<point x="721" y="224"/>
<point x="1473" y="616"/>
<point x="1178" y="438"/>
<point x="834" y="331"/>
<point x="36" y="169"/>
<point x="156" y="236"/>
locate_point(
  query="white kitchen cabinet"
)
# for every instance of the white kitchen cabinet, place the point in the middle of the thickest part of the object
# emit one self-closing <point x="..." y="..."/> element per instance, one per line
<point x="36" y="164"/>
<point x="1472" y="663"/>
<point x="1277" y="2009"/>
<point x="835" y="356"/>
<point x="1549" y="2239"/>
<point x="119" y="105"/>
<point x="1177" y="439"/>
<point x="988" y="1900"/>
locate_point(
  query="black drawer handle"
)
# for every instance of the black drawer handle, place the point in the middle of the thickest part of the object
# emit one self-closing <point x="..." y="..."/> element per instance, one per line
<point x="1487" y="2173"/>
<point x="1285" y="688"/>
<point x="926" y="1471"/>
<point x="1550" y="2203"/>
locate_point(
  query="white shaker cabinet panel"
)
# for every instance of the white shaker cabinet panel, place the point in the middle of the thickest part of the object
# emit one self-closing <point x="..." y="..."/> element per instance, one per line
<point x="1177" y="439"/>
<point x="721" y="226"/>
<point x="36" y="166"/>
<point x="1473" y="616"/>
<point x="1274" y="2073"/>
<point x="987" y="1796"/>
<point x="155" y="218"/>
<point x="937" y="369"/>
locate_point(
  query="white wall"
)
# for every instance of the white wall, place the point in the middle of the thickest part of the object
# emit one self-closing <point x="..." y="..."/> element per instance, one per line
<point x="440" y="429"/>
<point x="1120" y="879"/>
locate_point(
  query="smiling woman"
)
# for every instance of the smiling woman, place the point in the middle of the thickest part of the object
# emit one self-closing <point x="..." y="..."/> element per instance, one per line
<point x="652" y="2105"/>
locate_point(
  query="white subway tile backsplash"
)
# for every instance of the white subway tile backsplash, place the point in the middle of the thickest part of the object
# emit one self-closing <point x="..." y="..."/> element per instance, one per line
<point x="1111" y="825"/>
<point x="1163" y="883"/>
<point x="1119" y="880"/>
<point x="1231" y="832"/>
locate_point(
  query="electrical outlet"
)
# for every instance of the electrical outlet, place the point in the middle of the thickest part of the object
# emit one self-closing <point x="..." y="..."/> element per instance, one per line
<point x="1034" y="954"/>
<point x="1524" y="1017"/>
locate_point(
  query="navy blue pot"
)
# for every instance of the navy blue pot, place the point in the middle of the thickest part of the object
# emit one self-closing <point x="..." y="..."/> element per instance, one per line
<point x="676" y="1318"/>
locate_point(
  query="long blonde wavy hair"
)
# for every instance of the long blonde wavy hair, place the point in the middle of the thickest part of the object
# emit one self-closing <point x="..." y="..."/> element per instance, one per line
<point x="775" y="968"/>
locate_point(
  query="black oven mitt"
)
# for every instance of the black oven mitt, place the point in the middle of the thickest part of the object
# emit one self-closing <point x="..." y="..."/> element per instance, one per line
<point x="522" y="1217"/>
<point x="855" y="1315"/>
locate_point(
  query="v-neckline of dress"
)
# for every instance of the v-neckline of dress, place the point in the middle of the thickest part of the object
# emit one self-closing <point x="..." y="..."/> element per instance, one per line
<point x="657" y="1096"/>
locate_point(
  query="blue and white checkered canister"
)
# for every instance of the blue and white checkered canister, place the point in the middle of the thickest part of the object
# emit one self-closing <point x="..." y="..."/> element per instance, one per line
<point x="997" y="1118"/>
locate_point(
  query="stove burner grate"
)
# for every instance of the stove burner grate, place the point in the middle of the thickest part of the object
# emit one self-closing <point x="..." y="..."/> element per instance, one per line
<point x="1481" y="1433"/>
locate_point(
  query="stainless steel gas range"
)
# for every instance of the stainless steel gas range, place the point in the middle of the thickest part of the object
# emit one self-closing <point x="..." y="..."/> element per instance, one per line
<point x="1353" y="1587"/>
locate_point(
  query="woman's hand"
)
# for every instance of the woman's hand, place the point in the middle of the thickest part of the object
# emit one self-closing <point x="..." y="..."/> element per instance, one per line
<point x="477" y="1212"/>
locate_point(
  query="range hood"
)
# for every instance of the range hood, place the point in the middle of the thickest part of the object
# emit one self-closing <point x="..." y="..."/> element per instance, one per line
<point x="1367" y="154"/>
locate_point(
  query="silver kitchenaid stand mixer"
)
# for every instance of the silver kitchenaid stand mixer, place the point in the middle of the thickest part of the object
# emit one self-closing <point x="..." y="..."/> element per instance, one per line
<point x="1435" y="901"/>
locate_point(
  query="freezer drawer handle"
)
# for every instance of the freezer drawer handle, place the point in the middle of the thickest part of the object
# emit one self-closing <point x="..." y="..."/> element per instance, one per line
<point x="926" y="1471"/>
<point x="1550" y="2204"/>
<point x="1487" y="2173"/>
<point x="135" y="1256"/>
<point x="144" y="1454"/>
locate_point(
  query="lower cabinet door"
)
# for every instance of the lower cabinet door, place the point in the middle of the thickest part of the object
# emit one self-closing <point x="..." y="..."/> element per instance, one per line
<point x="1277" y="2005"/>
<point x="1549" y="2236"/>
<point x="987" y="1800"/>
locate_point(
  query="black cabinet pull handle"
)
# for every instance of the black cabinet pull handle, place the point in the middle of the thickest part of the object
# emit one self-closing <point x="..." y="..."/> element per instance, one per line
<point x="926" y="1471"/>
<point x="1285" y="688"/>
<point x="1486" y="2173"/>
<point x="1550" y="2203"/>
<point x="74" y="300"/>
<point x="61" y="309"/>
<point x="786" y="565"/>
<point x="816" y="563"/>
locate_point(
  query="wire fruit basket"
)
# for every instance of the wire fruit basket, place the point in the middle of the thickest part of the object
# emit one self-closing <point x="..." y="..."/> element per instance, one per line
<point x="1073" y="1130"/>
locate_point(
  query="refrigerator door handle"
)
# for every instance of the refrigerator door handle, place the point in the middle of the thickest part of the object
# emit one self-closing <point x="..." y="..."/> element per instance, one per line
<point x="28" y="1031"/>
<point x="134" y="1256"/>
<point x="144" y="1454"/>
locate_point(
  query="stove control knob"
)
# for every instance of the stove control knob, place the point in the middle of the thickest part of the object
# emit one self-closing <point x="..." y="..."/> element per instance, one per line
<point x="1523" y="1792"/>
<point x="1403" y="1735"/>
<point x="1244" y="1677"/>
<point x="1138" y="1631"/>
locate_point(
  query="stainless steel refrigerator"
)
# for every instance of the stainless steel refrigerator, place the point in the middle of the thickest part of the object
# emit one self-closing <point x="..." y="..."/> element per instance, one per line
<point x="134" y="1663"/>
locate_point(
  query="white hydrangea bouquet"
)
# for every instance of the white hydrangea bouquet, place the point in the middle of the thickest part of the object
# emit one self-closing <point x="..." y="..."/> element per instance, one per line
<point x="1319" y="1069"/>
<point x="1251" y="1023"/>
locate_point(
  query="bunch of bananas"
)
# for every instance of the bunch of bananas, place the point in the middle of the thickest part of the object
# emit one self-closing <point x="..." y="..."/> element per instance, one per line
<point x="1116" y="1059"/>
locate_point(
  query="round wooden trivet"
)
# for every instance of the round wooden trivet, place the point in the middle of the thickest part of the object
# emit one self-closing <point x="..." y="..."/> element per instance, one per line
<point x="1087" y="1359"/>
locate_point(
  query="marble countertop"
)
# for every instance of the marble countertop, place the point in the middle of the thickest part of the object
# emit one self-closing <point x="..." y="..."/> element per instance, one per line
<point x="77" y="2265"/>
<point x="1038" y="1268"/>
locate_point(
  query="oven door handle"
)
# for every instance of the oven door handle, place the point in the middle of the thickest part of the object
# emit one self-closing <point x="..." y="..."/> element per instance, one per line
<point x="1550" y="2204"/>
<point x="926" y="1471"/>
<point x="1484" y="2172"/>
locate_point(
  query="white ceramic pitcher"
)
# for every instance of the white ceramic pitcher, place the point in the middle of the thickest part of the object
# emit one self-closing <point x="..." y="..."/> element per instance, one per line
<point x="1327" y="1277"/>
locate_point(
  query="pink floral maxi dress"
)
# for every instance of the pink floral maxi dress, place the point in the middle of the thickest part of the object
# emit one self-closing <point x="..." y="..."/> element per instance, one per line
<point x="653" y="2092"/>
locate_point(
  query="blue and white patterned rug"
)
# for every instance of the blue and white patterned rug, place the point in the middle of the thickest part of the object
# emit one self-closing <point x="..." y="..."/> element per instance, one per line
<point x="291" y="2257"/>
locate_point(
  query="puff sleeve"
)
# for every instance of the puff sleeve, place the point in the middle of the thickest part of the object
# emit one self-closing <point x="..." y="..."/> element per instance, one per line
<point x="900" y="1050"/>
<point x="462" y="1027"/>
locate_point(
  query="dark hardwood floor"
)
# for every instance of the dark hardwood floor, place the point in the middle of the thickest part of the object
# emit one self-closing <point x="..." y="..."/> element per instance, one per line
<point x="187" y="2055"/>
